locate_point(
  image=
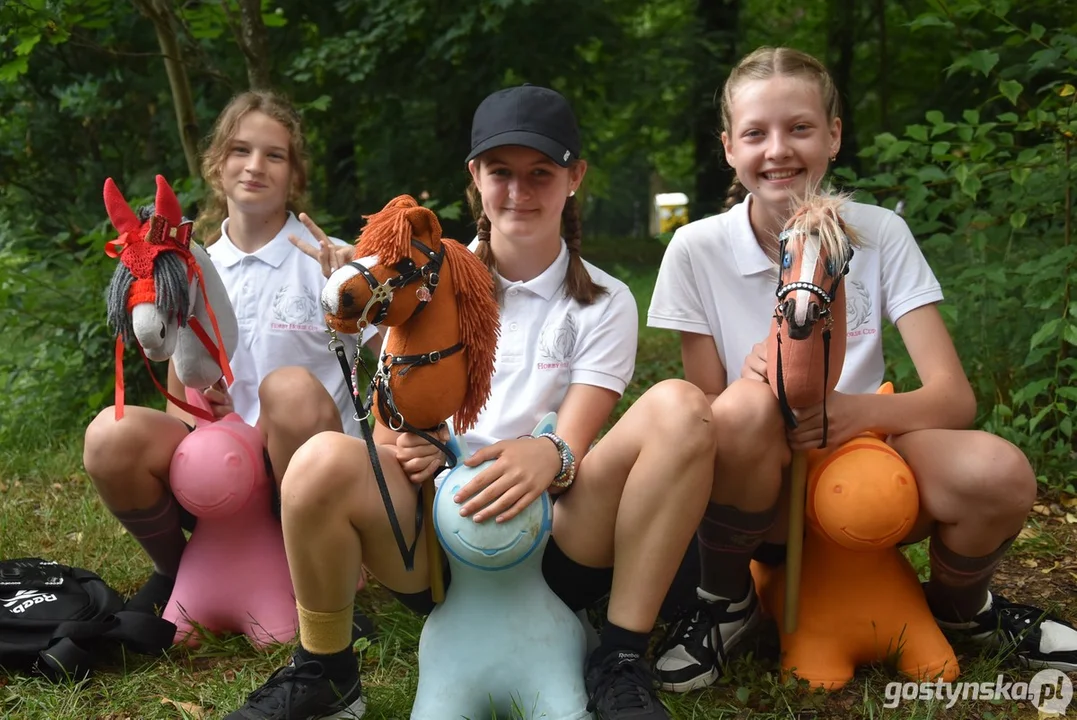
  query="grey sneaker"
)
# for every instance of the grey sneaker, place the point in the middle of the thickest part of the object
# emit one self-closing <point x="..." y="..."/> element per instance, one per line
<point x="700" y="639"/>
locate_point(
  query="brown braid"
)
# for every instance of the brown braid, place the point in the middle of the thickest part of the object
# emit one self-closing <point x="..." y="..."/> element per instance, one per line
<point x="482" y="230"/>
<point x="735" y="194"/>
<point x="578" y="283"/>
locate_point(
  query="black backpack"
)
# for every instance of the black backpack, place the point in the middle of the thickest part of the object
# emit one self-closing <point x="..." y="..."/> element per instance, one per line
<point x="59" y="620"/>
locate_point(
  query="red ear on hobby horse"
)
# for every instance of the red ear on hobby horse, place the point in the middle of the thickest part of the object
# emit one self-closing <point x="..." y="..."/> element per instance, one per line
<point x="166" y="204"/>
<point x="119" y="212"/>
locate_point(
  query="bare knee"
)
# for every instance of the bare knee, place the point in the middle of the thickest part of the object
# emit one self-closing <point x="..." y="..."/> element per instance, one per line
<point x="1002" y="478"/>
<point x="750" y="446"/>
<point x="681" y="418"/>
<point x="127" y="460"/>
<point x="747" y="422"/>
<point x="321" y="475"/>
<point x="295" y="401"/>
<point x="101" y="445"/>
<point x="988" y="482"/>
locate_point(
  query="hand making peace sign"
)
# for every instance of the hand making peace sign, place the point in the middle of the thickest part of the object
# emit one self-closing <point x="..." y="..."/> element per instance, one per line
<point x="330" y="255"/>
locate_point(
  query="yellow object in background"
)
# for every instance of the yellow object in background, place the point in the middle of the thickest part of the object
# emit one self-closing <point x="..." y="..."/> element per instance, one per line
<point x="670" y="211"/>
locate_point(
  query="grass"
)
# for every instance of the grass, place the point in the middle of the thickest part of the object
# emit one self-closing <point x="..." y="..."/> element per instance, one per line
<point x="48" y="508"/>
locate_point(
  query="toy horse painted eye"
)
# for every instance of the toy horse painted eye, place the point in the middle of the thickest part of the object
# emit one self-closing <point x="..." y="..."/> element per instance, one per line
<point x="831" y="267"/>
<point x="787" y="260"/>
<point x="405" y="266"/>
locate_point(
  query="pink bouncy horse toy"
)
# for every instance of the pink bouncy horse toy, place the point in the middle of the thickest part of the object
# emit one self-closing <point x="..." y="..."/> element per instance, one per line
<point x="233" y="575"/>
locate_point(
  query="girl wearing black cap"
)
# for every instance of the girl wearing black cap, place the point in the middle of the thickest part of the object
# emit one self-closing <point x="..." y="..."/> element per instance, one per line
<point x="626" y="506"/>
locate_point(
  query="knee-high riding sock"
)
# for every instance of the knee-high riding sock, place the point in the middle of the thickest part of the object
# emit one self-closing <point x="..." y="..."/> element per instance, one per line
<point x="958" y="586"/>
<point x="157" y="529"/>
<point x="727" y="539"/>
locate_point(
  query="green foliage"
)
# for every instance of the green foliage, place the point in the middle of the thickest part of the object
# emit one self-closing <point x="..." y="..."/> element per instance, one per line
<point x="963" y="110"/>
<point x="54" y="362"/>
<point x="22" y="26"/>
<point x="990" y="193"/>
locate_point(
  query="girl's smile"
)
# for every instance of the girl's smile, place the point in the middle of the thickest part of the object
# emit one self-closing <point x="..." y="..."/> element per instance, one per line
<point x="780" y="143"/>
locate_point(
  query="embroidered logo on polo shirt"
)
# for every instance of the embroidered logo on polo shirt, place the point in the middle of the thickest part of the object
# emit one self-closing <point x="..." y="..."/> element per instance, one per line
<point x="294" y="308"/>
<point x="858" y="309"/>
<point x="557" y="342"/>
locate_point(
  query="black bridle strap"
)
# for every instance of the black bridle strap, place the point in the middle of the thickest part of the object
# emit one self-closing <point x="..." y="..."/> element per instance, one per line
<point x="406" y="553"/>
<point x="783" y="399"/>
<point x="387" y="405"/>
<point x="411" y="361"/>
<point x="826" y="384"/>
<point x="383" y="305"/>
<point x="430" y="273"/>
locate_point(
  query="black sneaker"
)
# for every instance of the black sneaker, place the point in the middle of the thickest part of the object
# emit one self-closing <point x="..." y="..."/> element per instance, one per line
<point x="153" y="596"/>
<point x="300" y="691"/>
<point x="1032" y="636"/>
<point x="699" y="641"/>
<point x="620" y="687"/>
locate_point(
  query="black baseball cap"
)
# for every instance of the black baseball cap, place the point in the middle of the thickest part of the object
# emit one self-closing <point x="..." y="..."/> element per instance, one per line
<point x="527" y="115"/>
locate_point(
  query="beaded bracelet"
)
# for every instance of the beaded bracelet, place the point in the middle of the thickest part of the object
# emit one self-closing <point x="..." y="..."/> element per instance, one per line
<point x="567" y="474"/>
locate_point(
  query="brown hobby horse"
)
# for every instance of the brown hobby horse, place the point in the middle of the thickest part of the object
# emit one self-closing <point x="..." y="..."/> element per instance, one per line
<point x="806" y="345"/>
<point x="438" y="359"/>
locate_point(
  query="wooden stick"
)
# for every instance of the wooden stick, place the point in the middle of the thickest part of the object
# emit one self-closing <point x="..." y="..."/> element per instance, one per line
<point x="798" y="491"/>
<point x="433" y="547"/>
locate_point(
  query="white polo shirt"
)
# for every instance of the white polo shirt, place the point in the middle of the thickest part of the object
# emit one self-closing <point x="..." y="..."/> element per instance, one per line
<point x="550" y="341"/>
<point x="716" y="280"/>
<point x="275" y="293"/>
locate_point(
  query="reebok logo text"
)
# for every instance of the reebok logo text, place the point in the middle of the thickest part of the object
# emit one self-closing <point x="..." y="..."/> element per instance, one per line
<point x="25" y="599"/>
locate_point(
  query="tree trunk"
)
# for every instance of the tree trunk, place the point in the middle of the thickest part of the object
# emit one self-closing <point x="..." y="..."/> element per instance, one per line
<point x="254" y="41"/>
<point x="717" y="55"/>
<point x="842" y="45"/>
<point x="160" y="12"/>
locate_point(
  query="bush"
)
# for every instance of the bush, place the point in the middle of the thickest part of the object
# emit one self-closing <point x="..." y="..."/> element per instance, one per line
<point x="990" y="195"/>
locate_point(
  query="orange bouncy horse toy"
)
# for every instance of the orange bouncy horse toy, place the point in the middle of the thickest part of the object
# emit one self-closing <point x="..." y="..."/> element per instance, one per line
<point x="438" y="359"/>
<point x="861" y="497"/>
